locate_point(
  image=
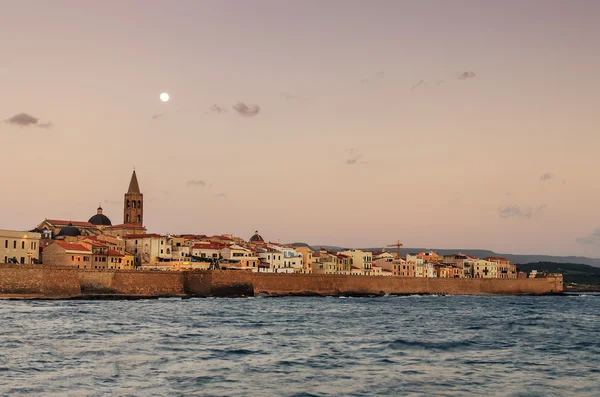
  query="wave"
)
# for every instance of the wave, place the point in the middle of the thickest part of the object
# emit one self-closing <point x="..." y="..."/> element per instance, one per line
<point x="403" y="344"/>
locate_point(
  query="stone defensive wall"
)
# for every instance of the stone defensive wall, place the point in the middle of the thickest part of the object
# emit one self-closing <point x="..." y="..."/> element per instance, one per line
<point x="38" y="281"/>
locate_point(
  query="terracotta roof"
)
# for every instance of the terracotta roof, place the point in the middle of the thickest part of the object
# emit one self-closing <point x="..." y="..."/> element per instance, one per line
<point x="125" y="226"/>
<point x="356" y="268"/>
<point x="130" y="236"/>
<point x="495" y="258"/>
<point x="210" y="246"/>
<point x="115" y="253"/>
<point x="71" y="247"/>
<point x="58" y="222"/>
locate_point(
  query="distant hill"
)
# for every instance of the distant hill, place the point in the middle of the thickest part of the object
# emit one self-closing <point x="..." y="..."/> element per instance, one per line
<point x="517" y="259"/>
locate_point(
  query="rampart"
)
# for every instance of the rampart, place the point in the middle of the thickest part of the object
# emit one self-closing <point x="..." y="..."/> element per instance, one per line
<point x="34" y="281"/>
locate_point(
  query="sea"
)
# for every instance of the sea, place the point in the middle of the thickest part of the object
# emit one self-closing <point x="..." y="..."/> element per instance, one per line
<point x="303" y="346"/>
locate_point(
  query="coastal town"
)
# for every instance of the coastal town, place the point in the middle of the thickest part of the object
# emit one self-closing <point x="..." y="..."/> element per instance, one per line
<point x="97" y="244"/>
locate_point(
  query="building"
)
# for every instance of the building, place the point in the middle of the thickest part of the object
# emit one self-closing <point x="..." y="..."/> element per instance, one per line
<point x="325" y="263"/>
<point x="19" y="247"/>
<point x="505" y="268"/>
<point x="207" y="250"/>
<point x="307" y="257"/>
<point x="133" y="205"/>
<point x="147" y="249"/>
<point x="484" y="269"/>
<point x="361" y="259"/>
<point x="62" y="253"/>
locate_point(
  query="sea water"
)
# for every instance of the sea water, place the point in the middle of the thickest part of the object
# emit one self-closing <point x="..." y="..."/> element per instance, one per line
<point x="297" y="346"/>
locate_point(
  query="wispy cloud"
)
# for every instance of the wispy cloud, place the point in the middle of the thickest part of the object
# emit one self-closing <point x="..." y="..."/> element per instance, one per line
<point x="27" y="120"/>
<point x="466" y="75"/>
<point x="292" y="97"/>
<point x="591" y="239"/>
<point x="546" y="177"/>
<point x="420" y="84"/>
<point x="354" y="157"/>
<point x="515" y="211"/>
<point x="378" y="76"/>
<point x="221" y="195"/>
<point x="246" y="110"/>
<point x="196" y="182"/>
<point x="156" y="115"/>
<point x="217" y="109"/>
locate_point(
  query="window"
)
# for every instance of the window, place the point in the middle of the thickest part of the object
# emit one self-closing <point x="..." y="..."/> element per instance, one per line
<point x="86" y="258"/>
<point x="127" y="220"/>
<point x="22" y="245"/>
<point x="139" y="204"/>
<point x="5" y="243"/>
<point x="15" y="244"/>
<point x="168" y="250"/>
<point x="161" y="251"/>
<point x="22" y="260"/>
<point x="6" y="257"/>
<point x="138" y="219"/>
<point x="73" y="258"/>
<point x="104" y="259"/>
<point x="127" y="203"/>
<point x="133" y="203"/>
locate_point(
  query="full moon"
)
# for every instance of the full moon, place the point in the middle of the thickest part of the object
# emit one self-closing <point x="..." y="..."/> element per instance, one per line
<point x="164" y="97"/>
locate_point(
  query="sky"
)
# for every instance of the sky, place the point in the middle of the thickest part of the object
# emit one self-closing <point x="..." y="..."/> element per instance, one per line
<point x="446" y="124"/>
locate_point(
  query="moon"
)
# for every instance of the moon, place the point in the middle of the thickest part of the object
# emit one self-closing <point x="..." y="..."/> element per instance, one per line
<point x="164" y="97"/>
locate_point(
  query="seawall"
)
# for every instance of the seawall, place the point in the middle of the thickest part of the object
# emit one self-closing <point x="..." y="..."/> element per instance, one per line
<point x="34" y="281"/>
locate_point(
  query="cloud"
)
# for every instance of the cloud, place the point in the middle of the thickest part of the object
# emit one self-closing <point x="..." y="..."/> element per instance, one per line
<point x="546" y="176"/>
<point x="246" y="110"/>
<point x="591" y="239"/>
<point x="421" y="83"/>
<point x="222" y="195"/>
<point x="156" y="115"/>
<point x="466" y="75"/>
<point x="196" y="182"/>
<point x="26" y="120"/>
<point x="354" y="157"/>
<point x="291" y="97"/>
<point x="515" y="211"/>
<point x="378" y="76"/>
<point x="217" y="109"/>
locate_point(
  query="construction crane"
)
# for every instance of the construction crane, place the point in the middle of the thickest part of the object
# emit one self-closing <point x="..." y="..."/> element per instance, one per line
<point x="397" y="245"/>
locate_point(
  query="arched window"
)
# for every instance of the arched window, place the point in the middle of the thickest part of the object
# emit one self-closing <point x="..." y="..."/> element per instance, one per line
<point x="139" y="204"/>
<point x="133" y="203"/>
<point x="127" y="219"/>
<point x="168" y="251"/>
<point x="138" y="219"/>
<point x="127" y="203"/>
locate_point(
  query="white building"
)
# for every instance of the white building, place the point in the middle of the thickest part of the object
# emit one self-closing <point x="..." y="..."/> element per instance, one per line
<point x="147" y="249"/>
<point x="19" y="247"/>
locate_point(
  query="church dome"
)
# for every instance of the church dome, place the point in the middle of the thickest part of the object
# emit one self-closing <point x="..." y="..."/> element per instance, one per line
<point x="69" y="231"/>
<point x="100" y="219"/>
<point x="256" y="238"/>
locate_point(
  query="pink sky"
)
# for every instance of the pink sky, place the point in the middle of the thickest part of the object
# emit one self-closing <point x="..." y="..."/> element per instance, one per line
<point x="342" y="152"/>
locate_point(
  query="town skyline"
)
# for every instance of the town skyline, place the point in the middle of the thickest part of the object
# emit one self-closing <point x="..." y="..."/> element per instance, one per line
<point x="316" y="123"/>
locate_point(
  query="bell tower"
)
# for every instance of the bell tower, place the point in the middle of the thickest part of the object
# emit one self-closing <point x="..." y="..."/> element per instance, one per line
<point x="133" y="206"/>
